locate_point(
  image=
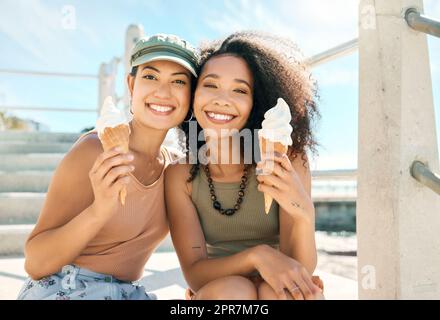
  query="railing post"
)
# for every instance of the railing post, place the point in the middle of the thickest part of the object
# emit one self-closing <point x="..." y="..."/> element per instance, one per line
<point x="134" y="32"/>
<point x="107" y="81"/>
<point x="398" y="219"/>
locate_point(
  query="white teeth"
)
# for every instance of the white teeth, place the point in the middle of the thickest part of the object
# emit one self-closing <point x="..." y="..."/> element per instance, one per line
<point x="221" y="117"/>
<point x="158" y="108"/>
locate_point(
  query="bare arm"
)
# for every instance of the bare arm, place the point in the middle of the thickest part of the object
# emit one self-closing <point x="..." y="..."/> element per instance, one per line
<point x="297" y="237"/>
<point x="289" y="183"/>
<point x="71" y="215"/>
<point x="188" y="238"/>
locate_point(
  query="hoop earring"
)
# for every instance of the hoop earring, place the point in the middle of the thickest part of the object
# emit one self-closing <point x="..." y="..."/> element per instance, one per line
<point x="130" y="106"/>
<point x="192" y="115"/>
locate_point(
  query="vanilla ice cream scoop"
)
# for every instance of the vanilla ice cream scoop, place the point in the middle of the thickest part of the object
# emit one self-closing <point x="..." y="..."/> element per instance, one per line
<point x="110" y="116"/>
<point x="276" y="124"/>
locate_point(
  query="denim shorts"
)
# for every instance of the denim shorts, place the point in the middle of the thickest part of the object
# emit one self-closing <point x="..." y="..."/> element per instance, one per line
<point x="74" y="283"/>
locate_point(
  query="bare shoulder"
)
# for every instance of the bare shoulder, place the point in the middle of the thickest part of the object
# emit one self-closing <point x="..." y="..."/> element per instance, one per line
<point x="73" y="170"/>
<point x="177" y="175"/>
<point x="83" y="153"/>
<point x="300" y="162"/>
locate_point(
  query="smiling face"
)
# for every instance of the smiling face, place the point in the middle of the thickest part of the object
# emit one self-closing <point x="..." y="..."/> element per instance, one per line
<point x="223" y="97"/>
<point x="161" y="93"/>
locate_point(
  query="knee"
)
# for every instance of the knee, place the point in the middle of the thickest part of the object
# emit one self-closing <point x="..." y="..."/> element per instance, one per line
<point x="228" y="288"/>
<point x="265" y="292"/>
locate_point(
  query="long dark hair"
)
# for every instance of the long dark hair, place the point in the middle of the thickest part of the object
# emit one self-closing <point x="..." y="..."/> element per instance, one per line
<point x="278" y="69"/>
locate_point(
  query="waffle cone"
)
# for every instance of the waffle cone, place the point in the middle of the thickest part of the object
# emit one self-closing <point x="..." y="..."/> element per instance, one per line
<point x="113" y="137"/>
<point x="269" y="147"/>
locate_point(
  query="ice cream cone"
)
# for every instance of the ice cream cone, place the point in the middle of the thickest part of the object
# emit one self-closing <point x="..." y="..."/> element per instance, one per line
<point x="117" y="136"/>
<point x="113" y="131"/>
<point x="275" y="136"/>
<point x="267" y="148"/>
<point x="114" y="137"/>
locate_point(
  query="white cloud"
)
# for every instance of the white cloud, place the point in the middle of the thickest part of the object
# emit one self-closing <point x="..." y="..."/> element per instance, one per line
<point x="319" y="24"/>
<point x="322" y="24"/>
<point x="38" y="29"/>
<point x="247" y="15"/>
<point x="316" y="25"/>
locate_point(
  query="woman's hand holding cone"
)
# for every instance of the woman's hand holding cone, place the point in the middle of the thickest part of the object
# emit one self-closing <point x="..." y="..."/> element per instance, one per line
<point x="281" y="182"/>
<point x="108" y="176"/>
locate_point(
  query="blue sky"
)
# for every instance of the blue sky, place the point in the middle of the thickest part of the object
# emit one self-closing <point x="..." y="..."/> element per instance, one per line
<point x="32" y="37"/>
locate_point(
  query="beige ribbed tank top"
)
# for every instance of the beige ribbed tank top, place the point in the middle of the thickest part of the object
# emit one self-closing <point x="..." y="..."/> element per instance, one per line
<point x="248" y="227"/>
<point x="125" y="243"/>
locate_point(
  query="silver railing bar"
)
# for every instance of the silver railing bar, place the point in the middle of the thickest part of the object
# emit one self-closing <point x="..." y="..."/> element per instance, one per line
<point x="425" y="176"/>
<point x="333" y="53"/>
<point x="49" y="74"/>
<point x="346" y="174"/>
<point x="35" y="108"/>
<point x="422" y="23"/>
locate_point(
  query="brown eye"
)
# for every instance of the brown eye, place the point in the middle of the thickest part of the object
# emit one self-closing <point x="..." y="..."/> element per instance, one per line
<point x="180" y="82"/>
<point x="240" y="91"/>
<point x="149" y="77"/>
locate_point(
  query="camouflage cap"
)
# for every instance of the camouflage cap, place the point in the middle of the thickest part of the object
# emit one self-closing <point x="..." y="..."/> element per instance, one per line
<point x="165" y="47"/>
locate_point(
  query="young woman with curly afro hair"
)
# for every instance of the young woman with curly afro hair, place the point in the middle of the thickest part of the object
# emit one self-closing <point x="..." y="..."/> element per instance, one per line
<point x="228" y="247"/>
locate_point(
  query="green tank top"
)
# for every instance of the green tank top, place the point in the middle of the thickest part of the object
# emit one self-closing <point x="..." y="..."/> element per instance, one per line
<point x="248" y="227"/>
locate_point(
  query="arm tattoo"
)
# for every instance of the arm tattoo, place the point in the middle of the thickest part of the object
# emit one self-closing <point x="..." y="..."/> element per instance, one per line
<point x="295" y="204"/>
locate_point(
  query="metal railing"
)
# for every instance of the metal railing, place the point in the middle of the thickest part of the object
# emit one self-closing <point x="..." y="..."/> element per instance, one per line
<point x="425" y="176"/>
<point x="37" y="108"/>
<point x="333" y="53"/>
<point x="422" y="23"/>
<point x="50" y="74"/>
<point x="47" y="74"/>
<point x="414" y="19"/>
<point x="345" y="174"/>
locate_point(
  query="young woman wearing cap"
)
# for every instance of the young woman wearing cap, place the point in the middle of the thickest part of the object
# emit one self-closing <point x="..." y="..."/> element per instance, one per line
<point x="86" y="245"/>
<point x="240" y="252"/>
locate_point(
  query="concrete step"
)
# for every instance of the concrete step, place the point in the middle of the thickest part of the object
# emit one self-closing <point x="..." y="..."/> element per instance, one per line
<point x="8" y="147"/>
<point x="20" y="207"/>
<point x="13" y="238"/>
<point x="31" y="161"/>
<point x="13" y="136"/>
<point x="25" y="181"/>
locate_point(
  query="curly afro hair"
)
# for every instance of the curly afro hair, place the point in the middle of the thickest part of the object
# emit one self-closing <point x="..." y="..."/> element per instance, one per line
<point x="279" y="70"/>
